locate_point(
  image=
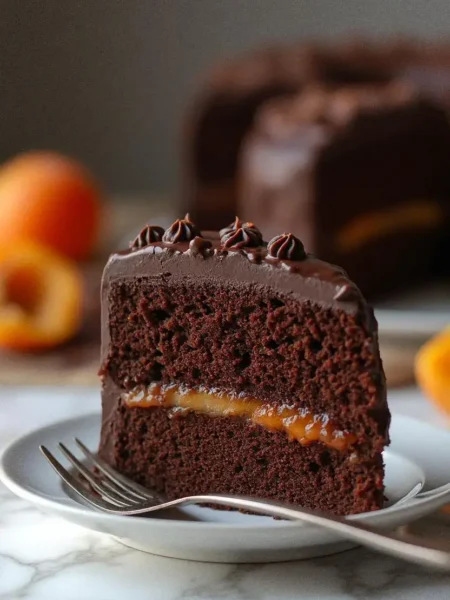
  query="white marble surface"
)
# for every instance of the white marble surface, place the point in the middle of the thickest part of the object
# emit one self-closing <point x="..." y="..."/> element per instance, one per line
<point x="44" y="558"/>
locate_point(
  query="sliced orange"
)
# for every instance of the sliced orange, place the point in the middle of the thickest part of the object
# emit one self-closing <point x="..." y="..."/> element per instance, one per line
<point x="41" y="296"/>
<point x="52" y="200"/>
<point x="433" y="370"/>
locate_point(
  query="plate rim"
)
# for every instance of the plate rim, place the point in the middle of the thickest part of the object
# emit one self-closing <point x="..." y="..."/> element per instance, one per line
<point x="56" y="506"/>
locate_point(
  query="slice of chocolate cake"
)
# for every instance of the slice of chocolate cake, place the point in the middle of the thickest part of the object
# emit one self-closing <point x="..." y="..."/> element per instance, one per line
<point x="360" y="174"/>
<point x="229" y="365"/>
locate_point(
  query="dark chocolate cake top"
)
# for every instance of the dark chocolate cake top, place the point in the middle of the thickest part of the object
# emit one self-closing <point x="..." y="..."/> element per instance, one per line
<point x="298" y="63"/>
<point x="351" y="61"/>
<point x="238" y="254"/>
<point x="333" y="108"/>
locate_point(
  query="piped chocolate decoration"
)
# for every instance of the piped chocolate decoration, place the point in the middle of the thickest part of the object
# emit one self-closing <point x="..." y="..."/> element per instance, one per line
<point x="148" y="235"/>
<point x="182" y="230"/>
<point x="236" y="224"/>
<point x="200" y="246"/>
<point x="286" y="247"/>
<point x="240" y="235"/>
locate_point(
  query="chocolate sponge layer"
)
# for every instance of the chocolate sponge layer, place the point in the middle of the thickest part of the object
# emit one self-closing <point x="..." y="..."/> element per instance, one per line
<point x="247" y="339"/>
<point x="197" y="454"/>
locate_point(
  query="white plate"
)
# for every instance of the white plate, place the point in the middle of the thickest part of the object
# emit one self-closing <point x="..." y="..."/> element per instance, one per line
<point x="197" y="533"/>
<point x="420" y="313"/>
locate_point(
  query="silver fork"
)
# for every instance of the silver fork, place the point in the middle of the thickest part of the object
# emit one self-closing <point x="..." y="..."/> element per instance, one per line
<point x="121" y="496"/>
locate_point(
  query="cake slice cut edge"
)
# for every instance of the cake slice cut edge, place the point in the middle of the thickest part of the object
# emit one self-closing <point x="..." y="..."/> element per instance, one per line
<point x="233" y="366"/>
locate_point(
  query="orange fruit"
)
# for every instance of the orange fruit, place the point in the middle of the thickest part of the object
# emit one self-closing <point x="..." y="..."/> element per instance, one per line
<point x="41" y="296"/>
<point x="433" y="370"/>
<point x="50" y="199"/>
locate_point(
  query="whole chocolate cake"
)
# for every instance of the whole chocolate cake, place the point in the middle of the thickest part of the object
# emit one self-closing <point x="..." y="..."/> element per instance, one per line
<point x="360" y="174"/>
<point x="367" y="169"/>
<point x="223" y="111"/>
<point x="232" y="365"/>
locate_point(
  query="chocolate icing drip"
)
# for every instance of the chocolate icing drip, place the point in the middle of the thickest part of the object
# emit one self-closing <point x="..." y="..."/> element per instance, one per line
<point x="182" y="230"/>
<point x="148" y="235"/>
<point x="240" y="235"/>
<point x="200" y="246"/>
<point x="286" y="247"/>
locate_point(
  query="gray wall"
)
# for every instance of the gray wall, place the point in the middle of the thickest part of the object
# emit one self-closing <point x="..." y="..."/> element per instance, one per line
<point x="107" y="80"/>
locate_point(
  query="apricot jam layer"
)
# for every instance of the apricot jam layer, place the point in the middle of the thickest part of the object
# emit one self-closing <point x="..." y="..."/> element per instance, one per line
<point x="300" y="425"/>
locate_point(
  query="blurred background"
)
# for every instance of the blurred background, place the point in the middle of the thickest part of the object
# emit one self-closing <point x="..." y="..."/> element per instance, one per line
<point x="107" y="81"/>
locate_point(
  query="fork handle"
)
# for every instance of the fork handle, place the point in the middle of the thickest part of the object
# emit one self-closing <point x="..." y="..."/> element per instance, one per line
<point x="424" y="551"/>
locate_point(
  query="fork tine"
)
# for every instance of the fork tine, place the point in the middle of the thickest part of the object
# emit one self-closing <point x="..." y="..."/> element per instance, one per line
<point x="115" y="490"/>
<point x="74" y="484"/>
<point x="120" y="480"/>
<point x="99" y="486"/>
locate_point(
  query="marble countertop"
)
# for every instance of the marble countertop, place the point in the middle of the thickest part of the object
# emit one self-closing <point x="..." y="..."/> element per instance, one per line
<point x="45" y="558"/>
